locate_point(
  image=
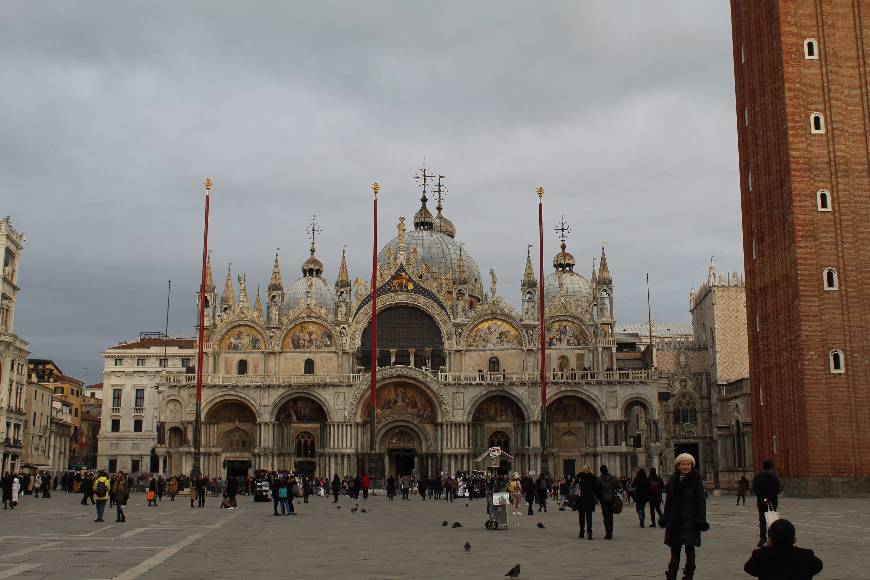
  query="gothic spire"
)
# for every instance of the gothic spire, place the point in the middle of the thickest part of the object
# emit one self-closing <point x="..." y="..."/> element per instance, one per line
<point x="529" y="274"/>
<point x="229" y="297"/>
<point x="343" y="277"/>
<point x="603" y="271"/>
<point x="258" y="304"/>
<point x="275" y="284"/>
<point x="209" y="276"/>
<point x="461" y="275"/>
<point x="243" y="291"/>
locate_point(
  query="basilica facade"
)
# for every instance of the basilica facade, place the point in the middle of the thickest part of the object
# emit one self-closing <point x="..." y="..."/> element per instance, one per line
<point x="287" y="380"/>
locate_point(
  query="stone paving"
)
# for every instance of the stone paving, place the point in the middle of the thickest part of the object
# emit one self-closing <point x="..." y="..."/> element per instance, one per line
<point x="57" y="538"/>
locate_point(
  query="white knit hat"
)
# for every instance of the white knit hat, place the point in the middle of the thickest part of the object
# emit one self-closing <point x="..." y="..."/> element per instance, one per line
<point x="684" y="457"/>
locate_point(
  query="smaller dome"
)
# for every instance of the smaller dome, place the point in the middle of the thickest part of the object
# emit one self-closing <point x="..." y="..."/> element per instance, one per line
<point x="569" y="286"/>
<point x="423" y="218"/>
<point x="442" y="225"/>
<point x="312" y="266"/>
<point x="564" y="260"/>
<point x="321" y="293"/>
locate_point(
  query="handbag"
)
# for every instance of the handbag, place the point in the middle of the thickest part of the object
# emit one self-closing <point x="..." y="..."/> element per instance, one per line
<point x="149" y="496"/>
<point x="617" y="505"/>
<point x="770" y="515"/>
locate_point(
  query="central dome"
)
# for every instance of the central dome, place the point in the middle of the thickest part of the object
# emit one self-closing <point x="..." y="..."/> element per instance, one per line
<point x="440" y="253"/>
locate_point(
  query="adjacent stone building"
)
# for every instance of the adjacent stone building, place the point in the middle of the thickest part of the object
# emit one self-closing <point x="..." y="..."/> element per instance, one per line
<point x="13" y="352"/>
<point x="801" y="81"/>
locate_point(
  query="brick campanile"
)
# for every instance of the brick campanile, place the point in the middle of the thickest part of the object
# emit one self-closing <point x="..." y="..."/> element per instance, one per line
<point x="803" y="124"/>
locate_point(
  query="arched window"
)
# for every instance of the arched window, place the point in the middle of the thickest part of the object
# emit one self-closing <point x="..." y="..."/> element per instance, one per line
<point x="811" y="49"/>
<point x="500" y="439"/>
<point x="830" y="279"/>
<point x="304" y="445"/>
<point x="837" y="361"/>
<point x="242" y="367"/>
<point x="685" y="411"/>
<point x="817" y="123"/>
<point x="494" y="365"/>
<point x="309" y="366"/>
<point x="823" y="200"/>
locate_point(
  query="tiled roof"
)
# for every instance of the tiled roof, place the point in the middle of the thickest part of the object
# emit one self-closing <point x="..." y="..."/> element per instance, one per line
<point x="182" y="343"/>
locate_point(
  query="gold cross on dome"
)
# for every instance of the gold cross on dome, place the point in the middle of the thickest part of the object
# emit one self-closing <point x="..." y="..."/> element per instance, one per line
<point x="423" y="177"/>
<point x="314" y="229"/>
<point x="563" y="229"/>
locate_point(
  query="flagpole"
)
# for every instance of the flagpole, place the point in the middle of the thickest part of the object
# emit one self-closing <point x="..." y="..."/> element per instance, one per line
<point x="374" y="359"/>
<point x="197" y="426"/>
<point x="544" y="466"/>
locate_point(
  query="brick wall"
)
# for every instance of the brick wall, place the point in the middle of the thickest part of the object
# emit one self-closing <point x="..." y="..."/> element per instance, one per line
<point x="812" y="422"/>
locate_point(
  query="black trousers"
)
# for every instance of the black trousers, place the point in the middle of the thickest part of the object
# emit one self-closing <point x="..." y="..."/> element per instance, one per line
<point x="655" y="507"/>
<point x="530" y="499"/>
<point x="607" y="515"/>
<point x="200" y="498"/>
<point x="690" y="556"/>
<point x="335" y="497"/>
<point x="762" y="523"/>
<point x="449" y="495"/>
<point x="585" y="522"/>
<point x="405" y="491"/>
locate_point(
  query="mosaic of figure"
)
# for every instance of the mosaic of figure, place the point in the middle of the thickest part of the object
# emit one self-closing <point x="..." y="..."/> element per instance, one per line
<point x="493" y="333"/>
<point x="497" y="409"/>
<point x="399" y="399"/>
<point x="308" y="336"/>
<point x="569" y="409"/>
<point x="302" y="410"/>
<point x="564" y="333"/>
<point x="242" y="338"/>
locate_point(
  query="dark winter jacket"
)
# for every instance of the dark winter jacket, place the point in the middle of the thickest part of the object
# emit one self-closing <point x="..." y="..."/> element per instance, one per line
<point x="641" y="488"/>
<point x="607" y="487"/>
<point x="336" y="485"/>
<point x="685" y="515"/>
<point x="232" y="487"/>
<point x="588" y="485"/>
<point x="765" y="486"/>
<point x="783" y="563"/>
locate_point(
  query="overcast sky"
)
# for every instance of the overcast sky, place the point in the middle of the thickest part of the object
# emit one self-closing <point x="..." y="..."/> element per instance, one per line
<point x="113" y="113"/>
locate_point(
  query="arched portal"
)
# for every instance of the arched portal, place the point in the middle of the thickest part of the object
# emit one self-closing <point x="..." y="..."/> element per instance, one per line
<point x="573" y="433"/>
<point x="497" y="420"/>
<point x="175" y="440"/>
<point x="298" y="432"/>
<point x="639" y="431"/>
<point x="230" y="430"/>
<point x="406" y="336"/>
<point x="402" y="447"/>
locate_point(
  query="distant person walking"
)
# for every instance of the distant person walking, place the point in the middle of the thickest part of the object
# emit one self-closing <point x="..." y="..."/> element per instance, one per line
<point x="685" y="516"/>
<point x="780" y="559"/>
<point x="336" y="488"/>
<point x="742" y="488"/>
<point x="6" y="490"/>
<point x="120" y="494"/>
<point x="656" y="487"/>
<point x="766" y="488"/>
<point x="102" y="487"/>
<point x="608" y="490"/>
<point x="640" y="483"/>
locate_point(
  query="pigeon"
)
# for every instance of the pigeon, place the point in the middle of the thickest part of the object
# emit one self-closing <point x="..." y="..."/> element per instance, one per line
<point x="514" y="572"/>
<point x="561" y="509"/>
<point x="467" y="547"/>
<point x="444" y="523"/>
<point x="540" y="525"/>
<point x="338" y="507"/>
<point x="466" y="505"/>
<point x="456" y="525"/>
<point x="363" y="510"/>
<point x="353" y="510"/>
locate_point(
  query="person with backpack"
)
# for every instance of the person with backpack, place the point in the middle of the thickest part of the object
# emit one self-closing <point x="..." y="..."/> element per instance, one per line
<point x="766" y="488"/>
<point x="656" y="489"/>
<point x="283" y="496"/>
<point x="101" y="490"/>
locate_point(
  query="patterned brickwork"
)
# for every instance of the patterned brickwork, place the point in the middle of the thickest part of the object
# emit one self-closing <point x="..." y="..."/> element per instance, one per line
<point x="814" y="423"/>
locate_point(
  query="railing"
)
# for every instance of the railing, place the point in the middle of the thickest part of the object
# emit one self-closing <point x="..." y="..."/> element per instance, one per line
<point x="557" y="377"/>
<point x="138" y="410"/>
<point x="116" y="410"/>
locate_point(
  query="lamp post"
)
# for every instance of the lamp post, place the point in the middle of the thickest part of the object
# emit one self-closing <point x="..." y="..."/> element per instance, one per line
<point x="197" y="425"/>
<point x="544" y="466"/>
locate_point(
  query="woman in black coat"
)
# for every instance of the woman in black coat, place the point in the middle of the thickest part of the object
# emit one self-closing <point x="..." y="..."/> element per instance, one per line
<point x="641" y="494"/>
<point x="585" y="491"/>
<point x="685" y="515"/>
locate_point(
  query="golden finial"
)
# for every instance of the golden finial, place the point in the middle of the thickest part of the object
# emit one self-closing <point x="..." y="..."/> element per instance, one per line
<point x="207" y="183"/>
<point x="540" y="192"/>
<point x="376" y="187"/>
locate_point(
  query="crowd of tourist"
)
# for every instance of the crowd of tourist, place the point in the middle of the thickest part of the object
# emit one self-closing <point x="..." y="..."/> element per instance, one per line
<point x="677" y="504"/>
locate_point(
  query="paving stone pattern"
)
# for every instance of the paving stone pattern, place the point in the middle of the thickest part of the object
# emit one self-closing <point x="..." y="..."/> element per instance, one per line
<point x="57" y="538"/>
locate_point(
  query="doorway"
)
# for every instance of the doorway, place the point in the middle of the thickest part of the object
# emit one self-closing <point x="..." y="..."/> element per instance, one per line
<point x="403" y="461"/>
<point x="305" y="468"/>
<point x="237" y="468"/>
<point x="569" y="467"/>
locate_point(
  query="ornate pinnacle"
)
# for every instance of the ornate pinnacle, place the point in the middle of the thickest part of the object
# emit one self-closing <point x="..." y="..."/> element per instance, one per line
<point x="540" y="192"/>
<point x="229" y="297"/>
<point x="275" y="284"/>
<point x="207" y="184"/>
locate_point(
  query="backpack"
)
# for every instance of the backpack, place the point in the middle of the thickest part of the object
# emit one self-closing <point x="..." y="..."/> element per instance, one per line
<point x="282" y="492"/>
<point x="542" y="485"/>
<point x="101" y="488"/>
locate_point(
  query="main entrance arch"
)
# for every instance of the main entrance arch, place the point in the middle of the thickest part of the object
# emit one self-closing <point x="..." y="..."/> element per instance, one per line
<point x="298" y="433"/>
<point x="230" y="433"/>
<point x="402" y="448"/>
<point x="573" y="426"/>
<point x="499" y="421"/>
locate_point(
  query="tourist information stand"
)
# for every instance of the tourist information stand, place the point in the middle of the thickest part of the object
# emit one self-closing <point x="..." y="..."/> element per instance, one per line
<point x="497" y="497"/>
